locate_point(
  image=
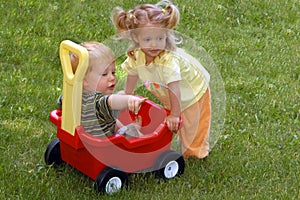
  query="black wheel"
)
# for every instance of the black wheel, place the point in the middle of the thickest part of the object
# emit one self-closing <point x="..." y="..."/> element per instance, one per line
<point x="52" y="154"/>
<point x="110" y="181"/>
<point x="169" y="164"/>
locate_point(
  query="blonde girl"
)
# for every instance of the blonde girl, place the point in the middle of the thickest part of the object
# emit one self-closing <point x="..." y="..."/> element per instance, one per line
<point x="177" y="79"/>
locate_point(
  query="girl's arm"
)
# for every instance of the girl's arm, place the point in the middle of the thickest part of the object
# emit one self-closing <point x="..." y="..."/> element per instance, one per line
<point x="173" y="119"/>
<point x="130" y="83"/>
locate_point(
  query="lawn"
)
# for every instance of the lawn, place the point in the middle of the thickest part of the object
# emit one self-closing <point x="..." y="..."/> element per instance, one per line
<point x="256" y="48"/>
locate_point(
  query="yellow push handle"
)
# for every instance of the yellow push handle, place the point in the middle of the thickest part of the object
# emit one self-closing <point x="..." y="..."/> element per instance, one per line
<point x="72" y="84"/>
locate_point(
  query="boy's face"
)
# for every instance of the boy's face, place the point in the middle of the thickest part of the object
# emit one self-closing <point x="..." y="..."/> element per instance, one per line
<point x="101" y="80"/>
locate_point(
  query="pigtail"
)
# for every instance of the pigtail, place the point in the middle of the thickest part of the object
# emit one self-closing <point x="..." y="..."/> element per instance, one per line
<point x="124" y="22"/>
<point x="171" y="12"/>
<point x="120" y="19"/>
<point x="173" y="15"/>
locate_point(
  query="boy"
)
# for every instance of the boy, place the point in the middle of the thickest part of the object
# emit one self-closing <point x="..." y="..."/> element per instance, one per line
<point x="100" y="107"/>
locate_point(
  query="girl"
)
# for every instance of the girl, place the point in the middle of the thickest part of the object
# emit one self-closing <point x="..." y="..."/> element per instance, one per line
<point x="177" y="79"/>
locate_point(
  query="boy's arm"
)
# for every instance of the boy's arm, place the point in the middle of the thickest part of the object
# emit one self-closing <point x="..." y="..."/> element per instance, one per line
<point x="130" y="83"/>
<point x="120" y="102"/>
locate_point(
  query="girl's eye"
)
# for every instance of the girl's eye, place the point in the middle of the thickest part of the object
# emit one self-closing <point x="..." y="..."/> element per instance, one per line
<point x="160" y="38"/>
<point x="104" y="74"/>
<point x="113" y="73"/>
<point x="147" y="39"/>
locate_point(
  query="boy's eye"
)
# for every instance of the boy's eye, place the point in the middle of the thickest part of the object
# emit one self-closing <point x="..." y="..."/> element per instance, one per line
<point x="113" y="73"/>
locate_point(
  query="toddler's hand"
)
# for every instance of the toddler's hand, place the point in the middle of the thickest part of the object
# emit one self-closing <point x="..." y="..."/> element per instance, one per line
<point x="172" y="123"/>
<point x="138" y="122"/>
<point x="134" y="103"/>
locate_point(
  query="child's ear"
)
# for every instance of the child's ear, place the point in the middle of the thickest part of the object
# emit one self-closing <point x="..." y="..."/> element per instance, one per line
<point x="85" y="83"/>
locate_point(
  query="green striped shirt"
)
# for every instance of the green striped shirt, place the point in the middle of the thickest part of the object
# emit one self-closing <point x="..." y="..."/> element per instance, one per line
<point x="97" y="117"/>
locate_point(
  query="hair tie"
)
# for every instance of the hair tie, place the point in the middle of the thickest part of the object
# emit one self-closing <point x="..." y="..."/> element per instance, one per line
<point x="131" y="16"/>
<point x="163" y="11"/>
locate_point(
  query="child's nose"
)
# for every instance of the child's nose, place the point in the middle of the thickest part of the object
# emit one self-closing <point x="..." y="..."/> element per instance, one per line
<point x="153" y="44"/>
<point x="112" y="77"/>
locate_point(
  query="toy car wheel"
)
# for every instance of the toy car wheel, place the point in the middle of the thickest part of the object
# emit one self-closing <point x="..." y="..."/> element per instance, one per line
<point x="110" y="181"/>
<point x="169" y="164"/>
<point x="52" y="154"/>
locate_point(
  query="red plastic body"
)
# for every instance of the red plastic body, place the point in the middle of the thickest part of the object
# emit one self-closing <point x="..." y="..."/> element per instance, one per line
<point x="91" y="155"/>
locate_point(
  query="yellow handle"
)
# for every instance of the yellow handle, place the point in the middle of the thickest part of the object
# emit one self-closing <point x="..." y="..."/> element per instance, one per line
<point x="72" y="84"/>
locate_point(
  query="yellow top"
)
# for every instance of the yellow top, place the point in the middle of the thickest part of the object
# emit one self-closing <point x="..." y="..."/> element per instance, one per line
<point x="72" y="84"/>
<point x="166" y="68"/>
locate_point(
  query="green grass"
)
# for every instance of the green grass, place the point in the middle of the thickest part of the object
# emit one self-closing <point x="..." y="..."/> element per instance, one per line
<point x="255" y="45"/>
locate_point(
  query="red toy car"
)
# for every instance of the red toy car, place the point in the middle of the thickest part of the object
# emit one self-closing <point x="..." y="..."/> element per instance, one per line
<point x="109" y="160"/>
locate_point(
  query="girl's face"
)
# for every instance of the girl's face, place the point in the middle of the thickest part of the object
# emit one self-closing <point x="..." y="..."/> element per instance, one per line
<point x="152" y="40"/>
<point x="101" y="80"/>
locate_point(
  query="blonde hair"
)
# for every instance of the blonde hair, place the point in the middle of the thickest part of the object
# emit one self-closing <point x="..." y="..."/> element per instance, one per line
<point x="164" y="13"/>
<point x="97" y="51"/>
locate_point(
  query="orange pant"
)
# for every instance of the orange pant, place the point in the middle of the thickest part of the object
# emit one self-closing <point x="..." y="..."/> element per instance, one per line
<point x="194" y="132"/>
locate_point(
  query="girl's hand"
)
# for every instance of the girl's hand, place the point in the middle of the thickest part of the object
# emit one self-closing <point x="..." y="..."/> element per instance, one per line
<point x="172" y="123"/>
<point x="134" y="104"/>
